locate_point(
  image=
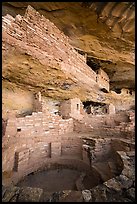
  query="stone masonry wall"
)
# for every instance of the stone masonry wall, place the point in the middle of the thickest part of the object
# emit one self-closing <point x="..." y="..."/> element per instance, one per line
<point x="72" y="108"/>
<point x="49" y="44"/>
<point x="95" y="149"/>
<point x="111" y="109"/>
<point x="65" y="109"/>
<point x="109" y="124"/>
<point x="71" y="146"/>
<point x="38" y="129"/>
<point x="103" y="79"/>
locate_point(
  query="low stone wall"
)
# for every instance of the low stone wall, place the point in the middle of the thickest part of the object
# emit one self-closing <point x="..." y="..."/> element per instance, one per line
<point x="38" y="124"/>
<point x="35" y="133"/>
<point x="71" y="146"/>
<point x="121" y="188"/>
<point x="123" y="145"/>
<point x="101" y="149"/>
<point x="32" y="141"/>
<point x="95" y="150"/>
<point x="119" y="125"/>
<point x="49" y="44"/>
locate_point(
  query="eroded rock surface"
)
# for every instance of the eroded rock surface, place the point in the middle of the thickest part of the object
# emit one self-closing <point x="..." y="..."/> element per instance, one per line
<point x="95" y="153"/>
<point x="37" y="58"/>
<point x="82" y="52"/>
<point x="104" y="30"/>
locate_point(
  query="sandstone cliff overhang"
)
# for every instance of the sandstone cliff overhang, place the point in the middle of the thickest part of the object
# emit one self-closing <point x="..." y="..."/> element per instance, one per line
<point x="37" y="55"/>
<point x="105" y="31"/>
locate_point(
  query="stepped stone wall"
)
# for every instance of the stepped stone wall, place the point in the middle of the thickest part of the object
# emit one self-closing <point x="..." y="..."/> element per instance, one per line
<point x="103" y="79"/>
<point x="39" y="38"/>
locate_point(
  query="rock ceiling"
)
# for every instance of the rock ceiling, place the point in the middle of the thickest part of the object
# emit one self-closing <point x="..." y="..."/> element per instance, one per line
<point x="103" y="30"/>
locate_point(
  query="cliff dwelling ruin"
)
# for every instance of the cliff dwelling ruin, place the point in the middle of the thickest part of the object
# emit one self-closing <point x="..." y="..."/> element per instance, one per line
<point x="68" y="102"/>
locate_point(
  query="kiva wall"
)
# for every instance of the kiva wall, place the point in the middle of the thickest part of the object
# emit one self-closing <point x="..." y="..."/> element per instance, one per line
<point x="36" y="127"/>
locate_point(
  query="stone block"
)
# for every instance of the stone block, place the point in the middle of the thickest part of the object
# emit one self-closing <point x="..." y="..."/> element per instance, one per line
<point x="21" y="159"/>
<point x="55" y="149"/>
<point x="28" y="194"/>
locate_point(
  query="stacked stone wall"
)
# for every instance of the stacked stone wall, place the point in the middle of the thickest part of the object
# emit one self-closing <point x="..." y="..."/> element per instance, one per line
<point x="72" y="108"/>
<point x="94" y="150"/>
<point x="71" y="146"/>
<point x="48" y="42"/>
<point x="33" y="132"/>
<point x="103" y="79"/>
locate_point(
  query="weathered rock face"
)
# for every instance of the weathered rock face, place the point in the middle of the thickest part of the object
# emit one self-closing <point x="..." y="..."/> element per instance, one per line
<point x="118" y="189"/>
<point x="41" y="131"/>
<point x="38" y="56"/>
<point x="43" y="140"/>
<point x="59" y="66"/>
<point x="104" y="30"/>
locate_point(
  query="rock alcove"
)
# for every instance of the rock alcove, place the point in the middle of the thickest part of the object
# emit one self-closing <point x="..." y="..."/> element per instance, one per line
<point x="63" y="114"/>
